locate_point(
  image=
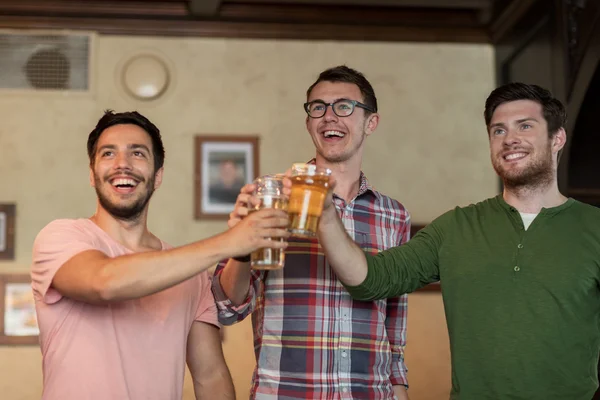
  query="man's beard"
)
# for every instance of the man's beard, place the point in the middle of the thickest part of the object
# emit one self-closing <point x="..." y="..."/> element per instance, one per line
<point x="538" y="173"/>
<point x="129" y="212"/>
<point x="346" y="155"/>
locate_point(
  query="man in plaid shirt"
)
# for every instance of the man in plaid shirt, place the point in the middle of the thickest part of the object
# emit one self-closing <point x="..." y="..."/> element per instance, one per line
<point x="312" y="340"/>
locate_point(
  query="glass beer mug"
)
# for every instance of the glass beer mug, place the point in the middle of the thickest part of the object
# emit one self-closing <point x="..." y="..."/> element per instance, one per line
<point x="269" y="193"/>
<point x="309" y="189"/>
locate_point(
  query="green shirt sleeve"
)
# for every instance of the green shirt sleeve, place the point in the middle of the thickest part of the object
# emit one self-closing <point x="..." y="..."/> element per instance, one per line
<point x="403" y="269"/>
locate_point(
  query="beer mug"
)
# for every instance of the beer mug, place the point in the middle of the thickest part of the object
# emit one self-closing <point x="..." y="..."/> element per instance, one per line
<point x="309" y="189"/>
<point x="269" y="193"/>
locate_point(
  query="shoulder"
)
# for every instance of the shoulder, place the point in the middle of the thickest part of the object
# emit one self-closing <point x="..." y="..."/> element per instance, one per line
<point x="390" y="205"/>
<point x="61" y="233"/>
<point x="64" y="226"/>
<point x="586" y="209"/>
<point x="491" y="205"/>
<point x="583" y="215"/>
<point x="461" y="214"/>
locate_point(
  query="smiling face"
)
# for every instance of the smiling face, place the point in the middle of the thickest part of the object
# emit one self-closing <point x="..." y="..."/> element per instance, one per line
<point x="522" y="152"/>
<point x="339" y="139"/>
<point x="123" y="171"/>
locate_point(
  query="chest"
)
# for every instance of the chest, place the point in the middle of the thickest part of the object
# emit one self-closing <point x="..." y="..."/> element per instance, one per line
<point x="170" y="311"/>
<point x="545" y="259"/>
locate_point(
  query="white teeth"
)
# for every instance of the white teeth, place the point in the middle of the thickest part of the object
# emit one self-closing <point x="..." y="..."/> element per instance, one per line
<point x="333" y="133"/>
<point x="124" y="182"/>
<point x="514" y="156"/>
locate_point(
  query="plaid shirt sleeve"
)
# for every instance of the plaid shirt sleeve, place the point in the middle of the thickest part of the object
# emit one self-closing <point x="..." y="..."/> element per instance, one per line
<point x="395" y="324"/>
<point x="228" y="313"/>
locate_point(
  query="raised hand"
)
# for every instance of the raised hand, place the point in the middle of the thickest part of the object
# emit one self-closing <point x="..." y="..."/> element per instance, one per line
<point x="287" y="188"/>
<point x="243" y="203"/>
<point x="257" y="230"/>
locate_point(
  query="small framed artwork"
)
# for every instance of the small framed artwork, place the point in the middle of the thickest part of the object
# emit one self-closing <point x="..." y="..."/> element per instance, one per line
<point x="18" y="324"/>
<point x="432" y="287"/>
<point x="7" y="231"/>
<point x="223" y="165"/>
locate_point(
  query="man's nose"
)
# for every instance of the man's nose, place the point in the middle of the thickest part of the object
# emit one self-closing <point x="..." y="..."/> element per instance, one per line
<point x="329" y="114"/>
<point x="122" y="161"/>
<point x="511" y="138"/>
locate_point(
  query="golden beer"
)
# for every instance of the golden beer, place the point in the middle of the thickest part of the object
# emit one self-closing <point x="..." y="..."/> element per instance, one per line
<point x="309" y="189"/>
<point x="269" y="194"/>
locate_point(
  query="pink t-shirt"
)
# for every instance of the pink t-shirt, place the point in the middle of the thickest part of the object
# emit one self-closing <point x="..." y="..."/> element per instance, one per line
<point x="131" y="350"/>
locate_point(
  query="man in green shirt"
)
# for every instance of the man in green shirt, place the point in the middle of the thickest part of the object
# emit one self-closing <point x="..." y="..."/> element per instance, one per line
<point x="520" y="272"/>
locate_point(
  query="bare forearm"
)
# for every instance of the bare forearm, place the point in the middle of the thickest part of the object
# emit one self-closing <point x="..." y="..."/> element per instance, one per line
<point x="142" y="274"/>
<point x="344" y="256"/>
<point x="400" y="392"/>
<point x="218" y="386"/>
<point x="235" y="281"/>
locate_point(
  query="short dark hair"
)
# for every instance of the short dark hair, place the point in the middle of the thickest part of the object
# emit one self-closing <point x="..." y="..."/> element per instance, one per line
<point x="110" y="118"/>
<point x="346" y="74"/>
<point x="553" y="110"/>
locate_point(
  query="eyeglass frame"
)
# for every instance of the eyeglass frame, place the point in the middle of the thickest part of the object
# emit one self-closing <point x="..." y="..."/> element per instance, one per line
<point x="355" y="103"/>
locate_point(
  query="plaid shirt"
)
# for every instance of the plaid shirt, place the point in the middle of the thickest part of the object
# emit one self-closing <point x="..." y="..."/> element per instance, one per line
<point x="311" y="339"/>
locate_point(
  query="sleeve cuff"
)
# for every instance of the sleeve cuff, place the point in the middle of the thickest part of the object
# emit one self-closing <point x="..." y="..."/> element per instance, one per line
<point x="224" y="303"/>
<point x="363" y="291"/>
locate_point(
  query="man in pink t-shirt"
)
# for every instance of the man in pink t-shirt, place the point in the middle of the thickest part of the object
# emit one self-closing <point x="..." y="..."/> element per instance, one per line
<point x="120" y="312"/>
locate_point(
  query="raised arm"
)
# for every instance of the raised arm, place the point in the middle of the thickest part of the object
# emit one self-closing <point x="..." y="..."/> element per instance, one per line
<point x="390" y="273"/>
<point x="93" y="277"/>
<point x="345" y="257"/>
<point x="235" y="278"/>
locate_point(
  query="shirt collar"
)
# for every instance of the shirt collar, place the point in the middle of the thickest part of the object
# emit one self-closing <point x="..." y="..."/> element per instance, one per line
<point x="549" y="211"/>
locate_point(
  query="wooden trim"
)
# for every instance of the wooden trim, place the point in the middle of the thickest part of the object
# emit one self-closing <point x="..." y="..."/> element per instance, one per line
<point x="5" y="339"/>
<point x="257" y="12"/>
<point x="252" y="30"/>
<point x="349" y="15"/>
<point x="204" y="8"/>
<point x="98" y="8"/>
<point x="9" y="252"/>
<point x="199" y="141"/>
<point x="508" y="18"/>
<point x="590" y="61"/>
<point x="432" y="287"/>
<point x="589" y="196"/>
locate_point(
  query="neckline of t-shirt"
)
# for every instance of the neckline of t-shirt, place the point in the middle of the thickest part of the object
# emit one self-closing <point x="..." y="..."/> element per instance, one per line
<point x="88" y="220"/>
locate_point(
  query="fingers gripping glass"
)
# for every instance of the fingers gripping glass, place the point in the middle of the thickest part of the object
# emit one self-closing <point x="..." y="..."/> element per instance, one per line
<point x="341" y="108"/>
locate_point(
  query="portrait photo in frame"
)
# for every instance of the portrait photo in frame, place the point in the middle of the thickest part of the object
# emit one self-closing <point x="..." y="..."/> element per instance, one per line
<point x="7" y="231"/>
<point x="18" y="324"/>
<point x="223" y="164"/>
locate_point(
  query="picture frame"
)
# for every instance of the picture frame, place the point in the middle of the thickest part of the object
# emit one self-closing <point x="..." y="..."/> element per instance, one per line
<point x="223" y="164"/>
<point x="7" y="231"/>
<point x="432" y="287"/>
<point x="18" y="322"/>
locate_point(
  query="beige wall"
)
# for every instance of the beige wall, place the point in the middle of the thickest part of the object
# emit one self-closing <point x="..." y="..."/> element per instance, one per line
<point x="430" y="152"/>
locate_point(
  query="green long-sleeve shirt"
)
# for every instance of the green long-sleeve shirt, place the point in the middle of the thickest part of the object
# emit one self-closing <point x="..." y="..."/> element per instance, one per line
<point x="522" y="306"/>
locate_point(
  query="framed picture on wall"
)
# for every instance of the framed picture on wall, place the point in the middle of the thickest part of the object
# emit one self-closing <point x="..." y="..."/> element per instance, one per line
<point x="7" y="231"/>
<point x="223" y="164"/>
<point x="432" y="287"/>
<point x="18" y="323"/>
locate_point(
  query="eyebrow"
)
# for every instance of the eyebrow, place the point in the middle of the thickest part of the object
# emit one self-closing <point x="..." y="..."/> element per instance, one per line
<point x="323" y="101"/>
<point x="519" y="121"/>
<point x="134" y="146"/>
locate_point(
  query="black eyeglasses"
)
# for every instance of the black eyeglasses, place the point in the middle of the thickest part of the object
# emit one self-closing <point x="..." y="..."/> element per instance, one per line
<point x="341" y="108"/>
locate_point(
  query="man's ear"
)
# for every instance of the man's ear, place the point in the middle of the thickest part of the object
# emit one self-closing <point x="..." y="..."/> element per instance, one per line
<point x="158" y="176"/>
<point x="559" y="139"/>
<point x="92" y="180"/>
<point x="372" y="122"/>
